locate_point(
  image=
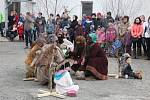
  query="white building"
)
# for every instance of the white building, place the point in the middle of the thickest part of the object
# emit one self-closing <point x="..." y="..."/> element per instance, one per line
<point x="123" y="7"/>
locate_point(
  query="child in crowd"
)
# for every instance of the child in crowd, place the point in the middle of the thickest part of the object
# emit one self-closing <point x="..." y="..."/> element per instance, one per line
<point x="116" y="47"/>
<point x="101" y="36"/>
<point x="87" y="25"/>
<point x="111" y="35"/>
<point x="20" y="30"/>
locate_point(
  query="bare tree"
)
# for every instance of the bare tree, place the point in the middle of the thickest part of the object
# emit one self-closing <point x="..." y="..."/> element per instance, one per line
<point x="124" y="7"/>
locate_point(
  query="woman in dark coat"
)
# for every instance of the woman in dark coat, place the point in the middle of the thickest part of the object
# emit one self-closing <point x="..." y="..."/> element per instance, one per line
<point x="96" y="62"/>
<point x="91" y="59"/>
<point x="73" y="25"/>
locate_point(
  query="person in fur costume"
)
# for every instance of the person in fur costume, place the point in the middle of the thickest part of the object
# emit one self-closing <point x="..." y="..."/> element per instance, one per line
<point x="43" y="63"/>
<point x="35" y="50"/>
<point x="49" y="58"/>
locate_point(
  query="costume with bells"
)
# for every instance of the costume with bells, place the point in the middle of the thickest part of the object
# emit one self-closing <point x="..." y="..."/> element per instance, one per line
<point x="50" y="60"/>
<point x="32" y="56"/>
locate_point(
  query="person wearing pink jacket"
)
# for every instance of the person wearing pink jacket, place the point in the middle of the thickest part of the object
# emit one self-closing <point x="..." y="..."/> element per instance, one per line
<point x="136" y="33"/>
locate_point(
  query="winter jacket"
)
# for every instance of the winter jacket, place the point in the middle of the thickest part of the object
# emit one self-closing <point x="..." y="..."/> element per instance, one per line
<point x="101" y="36"/>
<point x="122" y="29"/>
<point x="87" y="26"/>
<point x="136" y="31"/>
<point x="29" y="23"/>
<point x="111" y="34"/>
<point x="40" y="24"/>
<point x="50" y="27"/>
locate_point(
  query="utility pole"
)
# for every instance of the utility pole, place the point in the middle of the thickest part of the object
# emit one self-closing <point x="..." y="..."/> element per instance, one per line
<point x="56" y="7"/>
<point x="6" y="15"/>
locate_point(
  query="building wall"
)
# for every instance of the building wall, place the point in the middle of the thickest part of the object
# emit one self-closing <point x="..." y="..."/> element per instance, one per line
<point x="2" y="6"/>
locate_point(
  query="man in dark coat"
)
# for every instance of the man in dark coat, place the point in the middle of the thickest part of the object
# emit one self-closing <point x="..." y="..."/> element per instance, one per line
<point x="94" y="21"/>
<point x="40" y="23"/>
<point x="107" y="20"/>
<point x="73" y="25"/>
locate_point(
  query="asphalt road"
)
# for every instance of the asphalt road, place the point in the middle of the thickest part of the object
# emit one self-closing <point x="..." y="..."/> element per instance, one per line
<point x="12" y="71"/>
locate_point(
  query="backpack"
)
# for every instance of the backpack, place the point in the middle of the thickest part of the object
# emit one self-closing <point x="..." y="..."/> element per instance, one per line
<point x="111" y="34"/>
<point x="116" y="45"/>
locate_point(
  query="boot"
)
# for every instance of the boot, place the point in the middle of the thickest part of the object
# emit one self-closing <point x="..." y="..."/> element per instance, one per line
<point x="139" y="53"/>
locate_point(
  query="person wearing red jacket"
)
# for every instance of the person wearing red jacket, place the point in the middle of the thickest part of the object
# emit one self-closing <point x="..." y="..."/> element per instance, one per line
<point x="20" y="30"/>
<point x="136" y="33"/>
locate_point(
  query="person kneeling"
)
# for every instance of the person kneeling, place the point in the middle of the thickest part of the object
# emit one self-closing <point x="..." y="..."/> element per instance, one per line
<point x="95" y="63"/>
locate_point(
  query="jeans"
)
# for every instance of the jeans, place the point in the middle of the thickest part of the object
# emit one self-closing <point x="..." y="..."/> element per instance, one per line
<point x="34" y="34"/>
<point x="136" y="46"/>
<point x="28" y="37"/>
<point x="148" y="47"/>
<point x="1" y="30"/>
<point x="143" y="42"/>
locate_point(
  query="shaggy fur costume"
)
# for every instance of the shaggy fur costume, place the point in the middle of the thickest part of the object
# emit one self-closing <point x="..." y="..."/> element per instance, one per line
<point x="30" y="58"/>
<point x="44" y="62"/>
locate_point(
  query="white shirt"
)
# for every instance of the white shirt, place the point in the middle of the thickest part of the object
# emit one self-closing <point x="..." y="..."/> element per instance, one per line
<point x="68" y="44"/>
<point x="147" y="33"/>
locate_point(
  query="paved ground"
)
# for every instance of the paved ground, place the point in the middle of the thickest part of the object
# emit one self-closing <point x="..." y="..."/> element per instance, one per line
<point x="12" y="71"/>
<point x="3" y="39"/>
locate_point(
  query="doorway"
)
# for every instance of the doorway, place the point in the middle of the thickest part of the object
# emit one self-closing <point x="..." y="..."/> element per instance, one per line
<point x="15" y="6"/>
<point x="87" y="7"/>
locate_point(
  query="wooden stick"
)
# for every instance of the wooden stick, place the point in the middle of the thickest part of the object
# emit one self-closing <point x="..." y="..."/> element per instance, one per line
<point x="29" y="79"/>
<point x="54" y="94"/>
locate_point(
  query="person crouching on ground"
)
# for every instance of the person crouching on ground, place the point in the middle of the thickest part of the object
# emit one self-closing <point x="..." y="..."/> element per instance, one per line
<point x="32" y="57"/>
<point x="95" y="63"/>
